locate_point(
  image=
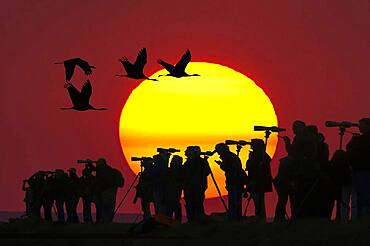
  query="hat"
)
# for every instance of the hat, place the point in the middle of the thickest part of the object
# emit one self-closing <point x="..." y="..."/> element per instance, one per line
<point x="257" y="143"/>
<point x="221" y="147"/>
<point x="365" y="121"/>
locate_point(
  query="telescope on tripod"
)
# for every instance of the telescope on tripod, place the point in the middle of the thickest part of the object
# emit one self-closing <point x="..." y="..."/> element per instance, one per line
<point x="342" y="125"/>
<point x="239" y="144"/>
<point x="268" y="130"/>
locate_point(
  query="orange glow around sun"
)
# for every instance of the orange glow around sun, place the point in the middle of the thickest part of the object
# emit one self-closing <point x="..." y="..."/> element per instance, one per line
<point x="201" y="110"/>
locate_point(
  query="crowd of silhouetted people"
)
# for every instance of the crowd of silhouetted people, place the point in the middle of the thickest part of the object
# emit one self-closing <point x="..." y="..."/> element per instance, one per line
<point x="61" y="191"/>
<point x="307" y="177"/>
<point x="312" y="182"/>
<point x="315" y="183"/>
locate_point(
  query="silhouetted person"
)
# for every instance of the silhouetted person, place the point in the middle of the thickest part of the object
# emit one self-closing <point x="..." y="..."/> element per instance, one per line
<point x="39" y="194"/>
<point x="323" y="152"/>
<point x="60" y="183"/>
<point x="196" y="170"/>
<point x="72" y="195"/>
<point x="87" y="187"/>
<point x="303" y="153"/>
<point x="136" y="70"/>
<point x="178" y="70"/>
<point x="287" y="180"/>
<point x="259" y="176"/>
<point x="358" y="150"/>
<point x="326" y="194"/>
<point x="232" y="166"/>
<point x="28" y="198"/>
<point x="318" y="195"/>
<point x="295" y="149"/>
<point x="34" y="188"/>
<point x="312" y="147"/>
<point x="144" y="188"/>
<point x="108" y="180"/>
<point x="160" y="171"/>
<point x="70" y="64"/>
<point x="48" y="196"/>
<point x="174" y="188"/>
<point x="285" y="184"/>
<point x="341" y="174"/>
<point x="80" y="100"/>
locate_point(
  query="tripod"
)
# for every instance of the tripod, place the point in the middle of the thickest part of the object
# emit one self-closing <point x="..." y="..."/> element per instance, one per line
<point x="342" y="131"/>
<point x="267" y="135"/>
<point x="238" y="149"/>
<point x="217" y="188"/>
<point x="128" y="191"/>
<point x="246" y="207"/>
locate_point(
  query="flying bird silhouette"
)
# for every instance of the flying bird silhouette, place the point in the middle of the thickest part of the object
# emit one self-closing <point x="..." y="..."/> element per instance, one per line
<point x="80" y="100"/>
<point x="136" y="70"/>
<point x="70" y="64"/>
<point x="178" y="70"/>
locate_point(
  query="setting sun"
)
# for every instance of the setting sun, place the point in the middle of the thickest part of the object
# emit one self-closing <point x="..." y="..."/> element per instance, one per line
<point x="204" y="110"/>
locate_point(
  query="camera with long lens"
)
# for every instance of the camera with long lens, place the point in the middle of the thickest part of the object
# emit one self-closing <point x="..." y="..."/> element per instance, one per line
<point x="208" y="153"/>
<point x="234" y="142"/>
<point x="45" y="172"/>
<point x="144" y="161"/>
<point x="144" y="158"/>
<point x="88" y="164"/>
<point x="269" y="128"/>
<point x="87" y="161"/>
<point x="340" y="124"/>
<point x="167" y="151"/>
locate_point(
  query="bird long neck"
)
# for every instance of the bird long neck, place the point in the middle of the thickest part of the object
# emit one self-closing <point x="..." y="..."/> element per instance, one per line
<point x="58" y="62"/>
<point x="93" y="108"/>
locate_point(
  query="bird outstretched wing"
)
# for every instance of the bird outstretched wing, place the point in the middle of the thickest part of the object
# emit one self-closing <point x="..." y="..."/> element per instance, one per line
<point x="86" y="92"/>
<point x="127" y="65"/>
<point x="141" y="59"/>
<point x="169" y="67"/>
<point x="69" y="66"/>
<point x="185" y="59"/>
<point x="84" y="65"/>
<point x="74" y="94"/>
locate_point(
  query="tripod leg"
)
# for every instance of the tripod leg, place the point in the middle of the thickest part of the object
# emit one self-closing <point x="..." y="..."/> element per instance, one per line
<point x="246" y="207"/>
<point x="124" y="197"/>
<point x="287" y="216"/>
<point x="219" y="192"/>
<point x="299" y="208"/>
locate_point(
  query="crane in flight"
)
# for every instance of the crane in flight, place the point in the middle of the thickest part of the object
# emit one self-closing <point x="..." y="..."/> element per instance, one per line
<point x="136" y="70"/>
<point x="70" y="64"/>
<point x="178" y="70"/>
<point x="80" y="100"/>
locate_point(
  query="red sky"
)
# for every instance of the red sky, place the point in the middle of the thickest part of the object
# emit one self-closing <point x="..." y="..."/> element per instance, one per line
<point x="310" y="57"/>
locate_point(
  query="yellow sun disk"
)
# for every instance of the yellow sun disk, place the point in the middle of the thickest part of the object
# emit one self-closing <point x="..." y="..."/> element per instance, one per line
<point x="201" y="110"/>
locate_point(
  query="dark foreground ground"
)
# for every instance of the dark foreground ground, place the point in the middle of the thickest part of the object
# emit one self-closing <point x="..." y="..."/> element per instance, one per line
<point x="209" y="232"/>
